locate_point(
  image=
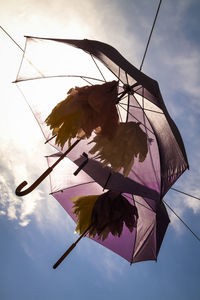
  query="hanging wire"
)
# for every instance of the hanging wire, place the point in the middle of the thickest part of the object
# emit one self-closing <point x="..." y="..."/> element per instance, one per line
<point x="189" y="195"/>
<point x="145" y="52"/>
<point x="12" y="39"/>
<point x="194" y="234"/>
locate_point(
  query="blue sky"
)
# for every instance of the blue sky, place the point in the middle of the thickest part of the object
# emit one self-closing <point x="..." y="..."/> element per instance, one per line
<point x="35" y="230"/>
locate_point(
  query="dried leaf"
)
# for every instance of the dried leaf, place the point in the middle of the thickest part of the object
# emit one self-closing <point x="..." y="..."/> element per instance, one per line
<point x="84" y="110"/>
<point x="128" y="142"/>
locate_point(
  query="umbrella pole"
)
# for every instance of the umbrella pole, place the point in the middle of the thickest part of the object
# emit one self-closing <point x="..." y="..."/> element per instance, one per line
<point x="19" y="191"/>
<point x="70" y="249"/>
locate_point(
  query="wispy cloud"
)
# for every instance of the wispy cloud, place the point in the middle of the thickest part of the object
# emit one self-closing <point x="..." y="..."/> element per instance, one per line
<point x="110" y="265"/>
<point x="19" y="209"/>
<point x="9" y="204"/>
<point x="38" y="206"/>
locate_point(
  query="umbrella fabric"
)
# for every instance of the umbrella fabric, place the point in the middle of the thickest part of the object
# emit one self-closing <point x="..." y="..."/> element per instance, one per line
<point x="104" y="214"/>
<point x="77" y="63"/>
<point x="143" y="243"/>
<point x="166" y="159"/>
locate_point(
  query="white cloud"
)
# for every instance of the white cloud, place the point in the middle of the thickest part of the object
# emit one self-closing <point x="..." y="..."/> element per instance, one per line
<point x="8" y="202"/>
<point x="14" y="207"/>
<point x="189" y="202"/>
<point x="184" y="70"/>
<point x="45" y="210"/>
<point x="194" y="204"/>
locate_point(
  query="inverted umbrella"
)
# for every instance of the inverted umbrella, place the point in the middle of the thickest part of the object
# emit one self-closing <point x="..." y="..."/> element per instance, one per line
<point x="139" y="159"/>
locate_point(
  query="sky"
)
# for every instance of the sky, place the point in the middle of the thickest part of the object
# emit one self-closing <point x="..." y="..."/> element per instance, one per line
<point x="35" y="230"/>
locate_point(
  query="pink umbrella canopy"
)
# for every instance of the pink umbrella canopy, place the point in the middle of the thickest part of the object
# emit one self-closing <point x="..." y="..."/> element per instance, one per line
<point x="61" y="65"/>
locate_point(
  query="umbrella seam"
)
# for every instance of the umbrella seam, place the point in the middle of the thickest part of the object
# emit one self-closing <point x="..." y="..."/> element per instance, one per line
<point x="142" y="246"/>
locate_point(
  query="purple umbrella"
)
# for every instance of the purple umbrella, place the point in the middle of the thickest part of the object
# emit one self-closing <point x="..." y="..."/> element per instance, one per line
<point x="59" y="65"/>
<point x="144" y="242"/>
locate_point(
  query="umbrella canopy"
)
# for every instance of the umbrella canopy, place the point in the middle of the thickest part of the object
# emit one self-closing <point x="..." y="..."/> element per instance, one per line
<point x="60" y="65"/>
<point x="143" y="243"/>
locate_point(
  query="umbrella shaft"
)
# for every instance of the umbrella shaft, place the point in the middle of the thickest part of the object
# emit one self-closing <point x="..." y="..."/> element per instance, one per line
<point x="65" y="153"/>
<point x="70" y="249"/>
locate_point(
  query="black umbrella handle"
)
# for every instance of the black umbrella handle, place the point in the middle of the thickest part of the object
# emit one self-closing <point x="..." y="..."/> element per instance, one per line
<point x="19" y="191"/>
<point x="70" y="248"/>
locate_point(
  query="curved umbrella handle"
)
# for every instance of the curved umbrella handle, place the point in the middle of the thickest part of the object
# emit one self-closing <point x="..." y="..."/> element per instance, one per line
<point x="19" y="191"/>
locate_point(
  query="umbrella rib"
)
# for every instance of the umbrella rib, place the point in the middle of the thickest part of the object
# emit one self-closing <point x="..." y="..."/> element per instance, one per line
<point x="149" y="149"/>
<point x="145" y="109"/>
<point x="134" y="242"/>
<point x="135" y="92"/>
<point x="123" y="97"/>
<point x="58" y="76"/>
<point x="137" y="202"/>
<point x="194" y="234"/>
<point x="86" y="80"/>
<point x="144" y="114"/>
<point x="135" y="118"/>
<point x="128" y="98"/>
<point x="97" y="67"/>
<point x="118" y="76"/>
<point x="73" y="186"/>
<point x="128" y="103"/>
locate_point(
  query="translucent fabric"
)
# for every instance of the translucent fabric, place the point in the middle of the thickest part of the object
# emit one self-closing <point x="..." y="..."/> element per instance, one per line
<point x="49" y="68"/>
